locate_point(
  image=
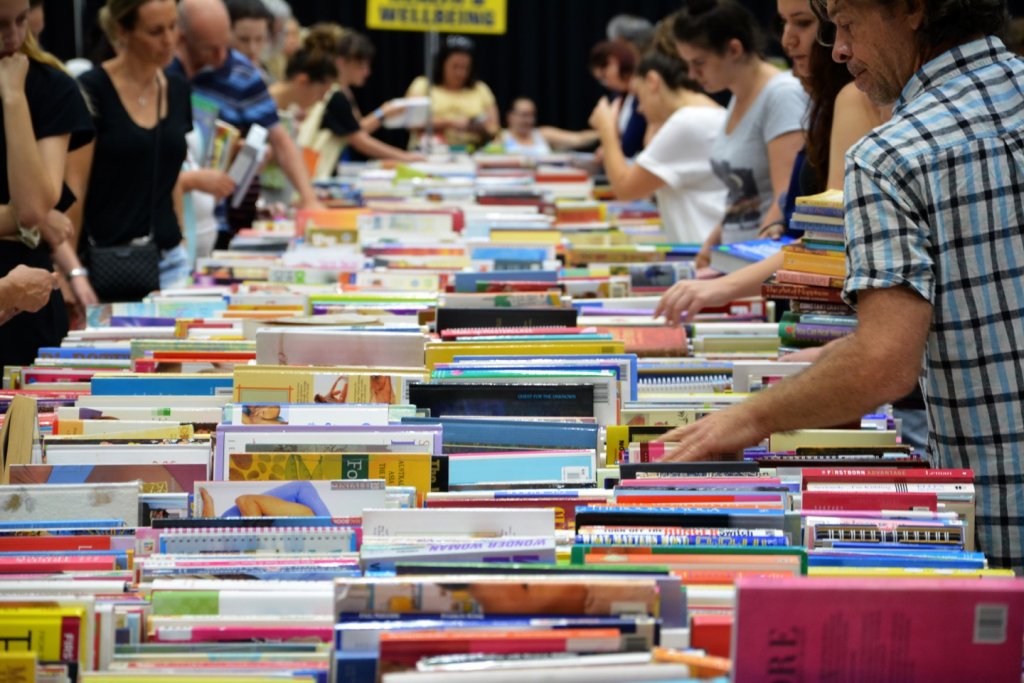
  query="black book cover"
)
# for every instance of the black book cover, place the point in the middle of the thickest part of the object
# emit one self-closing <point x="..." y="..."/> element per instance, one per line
<point x="460" y="318"/>
<point x="504" y="400"/>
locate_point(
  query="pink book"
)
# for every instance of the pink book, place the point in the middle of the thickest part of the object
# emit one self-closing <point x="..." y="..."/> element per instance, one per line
<point x="880" y="630"/>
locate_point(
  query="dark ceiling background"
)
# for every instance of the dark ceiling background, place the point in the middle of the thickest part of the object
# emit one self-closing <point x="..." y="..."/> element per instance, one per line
<point x="543" y="55"/>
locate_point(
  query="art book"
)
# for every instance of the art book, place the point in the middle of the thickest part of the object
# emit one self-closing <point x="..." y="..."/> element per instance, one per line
<point x="396" y="469"/>
<point x="337" y="498"/>
<point x="277" y="384"/>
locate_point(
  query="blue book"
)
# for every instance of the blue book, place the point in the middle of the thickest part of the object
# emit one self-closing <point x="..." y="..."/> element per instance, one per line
<point x="91" y="524"/>
<point x="161" y="385"/>
<point x="480" y="435"/>
<point x="569" y="468"/>
<point x="728" y="258"/>
<point x="466" y="282"/>
<point x="98" y="353"/>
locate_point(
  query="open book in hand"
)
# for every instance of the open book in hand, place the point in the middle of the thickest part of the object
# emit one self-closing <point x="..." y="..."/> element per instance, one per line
<point x="412" y="113"/>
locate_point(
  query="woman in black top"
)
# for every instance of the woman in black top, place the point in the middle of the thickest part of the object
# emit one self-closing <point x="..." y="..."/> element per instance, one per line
<point x="42" y="114"/>
<point x="123" y="201"/>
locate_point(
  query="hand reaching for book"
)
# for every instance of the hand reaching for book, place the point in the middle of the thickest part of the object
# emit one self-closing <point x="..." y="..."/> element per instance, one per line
<point x="720" y="436"/>
<point x="690" y="297"/>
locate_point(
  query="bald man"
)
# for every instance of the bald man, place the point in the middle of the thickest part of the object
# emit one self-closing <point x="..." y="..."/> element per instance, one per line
<point x="220" y="73"/>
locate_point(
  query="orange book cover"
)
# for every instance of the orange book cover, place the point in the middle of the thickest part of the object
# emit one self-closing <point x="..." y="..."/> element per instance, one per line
<point x="802" y="259"/>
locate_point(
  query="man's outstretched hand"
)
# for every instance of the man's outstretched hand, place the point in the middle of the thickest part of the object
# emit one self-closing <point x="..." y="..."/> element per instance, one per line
<point x="721" y="435"/>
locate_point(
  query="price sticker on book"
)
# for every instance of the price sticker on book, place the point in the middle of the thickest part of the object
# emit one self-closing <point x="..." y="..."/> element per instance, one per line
<point x="576" y="475"/>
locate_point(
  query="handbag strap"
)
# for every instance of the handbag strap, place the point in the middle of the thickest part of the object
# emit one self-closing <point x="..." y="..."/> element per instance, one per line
<point x="156" y="158"/>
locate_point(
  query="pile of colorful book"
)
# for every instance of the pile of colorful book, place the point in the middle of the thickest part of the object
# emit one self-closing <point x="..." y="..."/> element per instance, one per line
<point x="413" y="446"/>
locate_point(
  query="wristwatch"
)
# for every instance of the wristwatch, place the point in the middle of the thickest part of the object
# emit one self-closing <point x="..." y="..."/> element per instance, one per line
<point x="78" y="272"/>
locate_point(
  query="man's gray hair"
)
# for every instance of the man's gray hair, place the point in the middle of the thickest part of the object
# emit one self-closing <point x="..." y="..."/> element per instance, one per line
<point x="636" y="30"/>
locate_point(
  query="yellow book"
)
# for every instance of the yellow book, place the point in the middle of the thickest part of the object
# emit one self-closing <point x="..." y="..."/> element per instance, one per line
<point x="782" y="442"/>
<point x="277" y="384"/>
<point x="796" y="257"/>
<point x="172" y="431"/>
<point x="616" y="440"/>
<point x="130" y="430"/>
<point x="396" y="469"/>
<point x="54" y="634"/>
<point x="829" y="199"/>
<point x="18" y="667"/>
<point x="445" y="352"/>
<point x="509" y="236"/>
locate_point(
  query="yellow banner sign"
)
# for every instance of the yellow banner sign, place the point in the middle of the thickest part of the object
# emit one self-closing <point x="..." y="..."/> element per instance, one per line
<point x="444" y="16"/>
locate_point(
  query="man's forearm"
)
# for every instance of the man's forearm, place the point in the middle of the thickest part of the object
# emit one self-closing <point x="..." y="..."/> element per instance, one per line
<point x="846" y="383"/>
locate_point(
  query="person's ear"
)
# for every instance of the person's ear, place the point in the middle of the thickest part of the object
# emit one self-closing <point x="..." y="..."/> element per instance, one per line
<point x="302" y="79"/>
<point x="734" y="48"/>
<point x="915" y="14"/>
<point x="653" y="80"/>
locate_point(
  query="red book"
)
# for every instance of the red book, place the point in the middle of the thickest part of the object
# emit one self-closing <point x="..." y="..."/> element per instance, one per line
<point x="711" y="633"/>
<point x="781" y="290"/>
<point x="462" y="332"/>
<point x="829" y="500"/>
<point x="644" y="340"/>
<point x="906" y="630"/>
<point x="875" y="475"/>
<point x="47" y="564"/>
<point x="408" y="647"/>
<point x="9" y="544"/>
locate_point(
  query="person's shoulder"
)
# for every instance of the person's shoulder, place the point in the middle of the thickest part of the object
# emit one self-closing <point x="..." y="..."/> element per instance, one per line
<point x="418" y="85"/>
<point x="49" y="78"/>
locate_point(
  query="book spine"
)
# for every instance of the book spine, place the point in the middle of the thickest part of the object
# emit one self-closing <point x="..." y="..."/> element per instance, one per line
<point x="657" y="539"/>
<point x="810" y="262"/>
<point x="794" y="277"/>
<point x="806" y="333"/>
<point x="776" y="290"/>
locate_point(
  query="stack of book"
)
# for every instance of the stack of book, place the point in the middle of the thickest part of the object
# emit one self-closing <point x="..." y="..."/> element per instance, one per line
<point x="414" y="445"/>
<point x="812" y="275"/>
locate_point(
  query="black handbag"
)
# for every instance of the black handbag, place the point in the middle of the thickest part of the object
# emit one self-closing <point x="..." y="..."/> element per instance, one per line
<point x="130" y="272"/>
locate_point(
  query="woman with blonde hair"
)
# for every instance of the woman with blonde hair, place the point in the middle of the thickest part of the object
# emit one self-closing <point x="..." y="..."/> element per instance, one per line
<point x="43" y="115"/>
<point x="141" y="117"/>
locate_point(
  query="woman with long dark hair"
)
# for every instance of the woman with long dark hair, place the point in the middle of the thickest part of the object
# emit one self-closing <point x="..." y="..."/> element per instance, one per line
<point x="839" y="115"/>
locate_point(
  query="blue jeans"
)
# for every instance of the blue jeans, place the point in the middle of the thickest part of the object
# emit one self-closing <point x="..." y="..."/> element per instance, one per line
<point x="174" y="268"/>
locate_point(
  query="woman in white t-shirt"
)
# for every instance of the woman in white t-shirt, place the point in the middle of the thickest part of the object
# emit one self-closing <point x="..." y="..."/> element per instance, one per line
<point x="675" y="165"/>
<point x="755" y="150"/>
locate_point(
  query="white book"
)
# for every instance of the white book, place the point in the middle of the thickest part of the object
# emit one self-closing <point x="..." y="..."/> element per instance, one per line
<point x="335" y="498"/>
<point x="456" y="522"/>
<point x="413" y="112"/>
<point x="67" y="502"/>
<point x="125" y="454"/>
<point x="282" y="346"/>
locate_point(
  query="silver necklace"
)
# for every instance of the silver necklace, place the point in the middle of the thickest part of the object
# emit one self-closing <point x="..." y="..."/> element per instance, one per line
<point x="142" y="99"/>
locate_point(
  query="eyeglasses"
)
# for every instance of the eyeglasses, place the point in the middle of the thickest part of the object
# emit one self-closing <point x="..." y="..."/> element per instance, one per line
<point x="826" y="34"/>
<point x="826" y="29"/>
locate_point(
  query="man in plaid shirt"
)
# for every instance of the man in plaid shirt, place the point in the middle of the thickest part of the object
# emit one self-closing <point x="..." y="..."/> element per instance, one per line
<point x="935" y="253"/>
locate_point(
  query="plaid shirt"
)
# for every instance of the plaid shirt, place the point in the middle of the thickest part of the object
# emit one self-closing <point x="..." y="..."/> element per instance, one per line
<point x="935" y="203"/>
